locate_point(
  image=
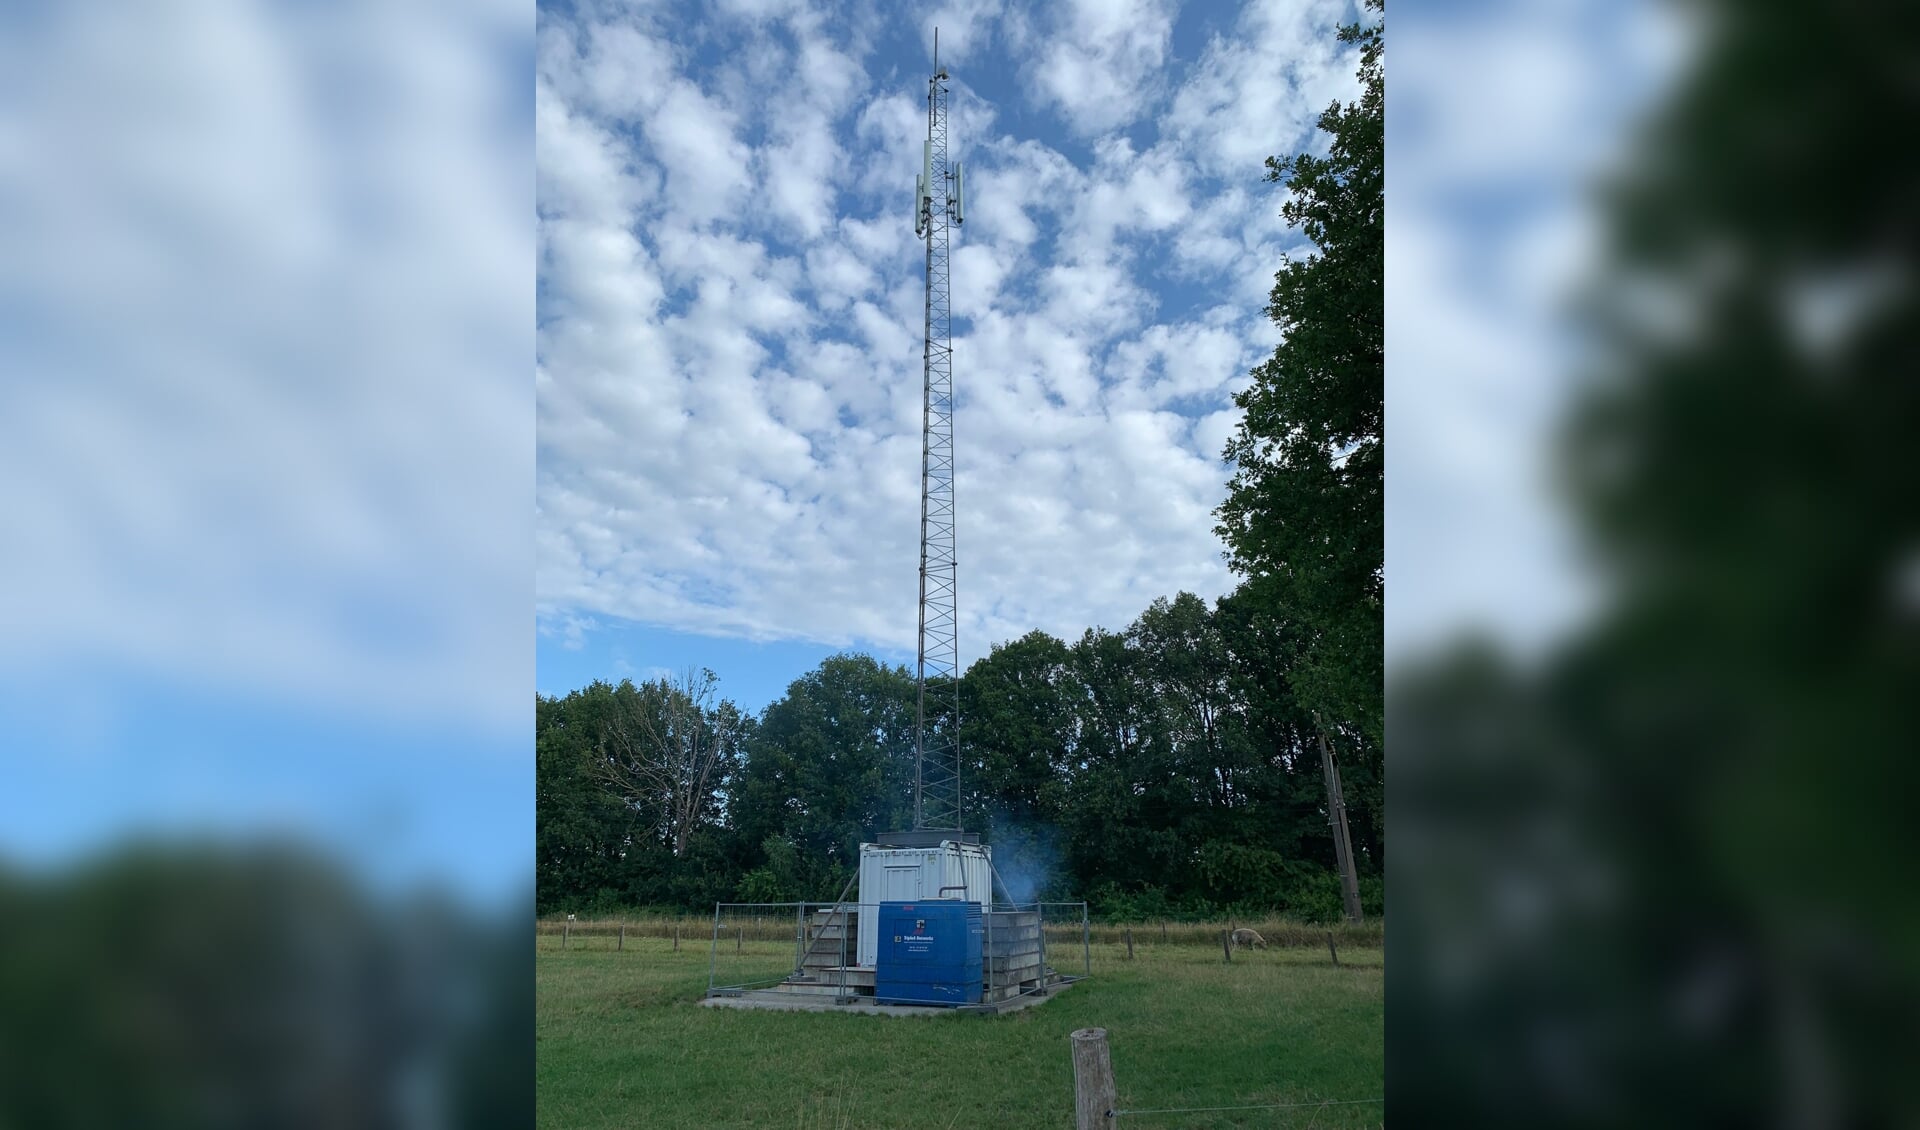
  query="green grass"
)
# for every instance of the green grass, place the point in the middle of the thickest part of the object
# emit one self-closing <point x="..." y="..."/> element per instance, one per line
<point x="772" y="925"/>
<point x="623" y="1042"/>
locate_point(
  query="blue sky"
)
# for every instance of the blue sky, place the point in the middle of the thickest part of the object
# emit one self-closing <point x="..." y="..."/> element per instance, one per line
<point x="729" y="304"/>
<point x="268" y="443"/>
<point x="131" y="753"/>
<point x="1499" y="120"/>
<point x="755" y="671"/>
<point x="266" y="433"/>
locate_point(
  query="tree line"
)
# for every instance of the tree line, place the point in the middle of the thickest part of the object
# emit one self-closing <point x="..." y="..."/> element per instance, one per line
<point x="1167" y="770"/>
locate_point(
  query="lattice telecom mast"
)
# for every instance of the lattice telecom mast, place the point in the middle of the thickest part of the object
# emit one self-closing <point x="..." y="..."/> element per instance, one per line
<point x="938" y="201"/>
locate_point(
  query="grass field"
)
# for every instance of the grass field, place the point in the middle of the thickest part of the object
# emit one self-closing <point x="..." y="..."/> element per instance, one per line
<point x="623" y="1042"/>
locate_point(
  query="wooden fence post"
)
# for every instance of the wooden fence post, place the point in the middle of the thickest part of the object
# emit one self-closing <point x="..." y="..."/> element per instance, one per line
<point x="566" y="928"/>
<point x="1331" y="950"/>
<point x="1086" y="939"/>
<point x="622" y="944"/>
<point x="738" y="937"/>
<point x="1163" y="929"/>
<point x="1129" y="943"/>
<point x="1226" y="945"/>
<point x="1093" y="1093"/>
<point x="676" y="937"/>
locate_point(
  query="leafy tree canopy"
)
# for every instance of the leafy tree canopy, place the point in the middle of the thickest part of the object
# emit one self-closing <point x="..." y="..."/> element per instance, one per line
<point x="1303" y="514"/>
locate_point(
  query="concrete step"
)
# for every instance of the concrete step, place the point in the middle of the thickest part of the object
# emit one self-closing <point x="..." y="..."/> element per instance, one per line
<point x="828" y="973"/>
<point x="804" y="989"/>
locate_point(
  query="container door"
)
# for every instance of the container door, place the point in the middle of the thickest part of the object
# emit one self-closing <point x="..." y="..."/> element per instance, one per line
<point x="890" y="882"/>
<point x="900" y="884"/>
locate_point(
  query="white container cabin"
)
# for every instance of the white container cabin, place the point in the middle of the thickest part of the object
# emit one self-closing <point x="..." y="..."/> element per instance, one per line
<point x="908" y="872"/>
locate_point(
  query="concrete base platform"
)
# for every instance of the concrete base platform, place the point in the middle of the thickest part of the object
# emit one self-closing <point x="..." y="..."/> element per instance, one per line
<point x="773" y="1000"/>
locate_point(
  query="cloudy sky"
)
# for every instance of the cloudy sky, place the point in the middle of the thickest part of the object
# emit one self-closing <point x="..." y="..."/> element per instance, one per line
<point x="266" y="430"/>
<point x="1502" y="117"/>
<point x="728" y="386"/>
<point x="267" y="437"/>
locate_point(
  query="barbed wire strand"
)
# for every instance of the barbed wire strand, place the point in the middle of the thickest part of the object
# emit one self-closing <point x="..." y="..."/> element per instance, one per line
<point x="1257" y="1106"/>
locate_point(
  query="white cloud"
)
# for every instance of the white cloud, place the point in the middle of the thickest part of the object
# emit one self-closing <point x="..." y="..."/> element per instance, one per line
<point x="1100" y="61"/>
<point x="693" y="138"/>
<point x="966" y="28"/>
<point x="1515" y="108"/>
<point x="264" y="247"/>
<point x="1256" y="91"/>
<point x="730" y="399"/>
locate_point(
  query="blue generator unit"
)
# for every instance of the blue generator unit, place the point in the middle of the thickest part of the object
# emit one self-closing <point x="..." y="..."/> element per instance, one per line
<point x="929" y="952"/>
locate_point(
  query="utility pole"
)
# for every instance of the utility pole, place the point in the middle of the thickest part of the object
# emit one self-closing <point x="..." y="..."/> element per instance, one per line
<point x="1337" y="820"/>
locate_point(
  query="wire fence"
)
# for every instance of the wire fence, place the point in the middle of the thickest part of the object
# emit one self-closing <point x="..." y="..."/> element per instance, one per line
<point x="830" y="949"/>
<point x="1321" y="1105"/>
<point x="607" y="931"/>
<point x="1096" y="1098"/>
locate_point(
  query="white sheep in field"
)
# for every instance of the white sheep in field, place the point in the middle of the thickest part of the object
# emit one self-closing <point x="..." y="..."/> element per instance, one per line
<point x="570" y="918"/>
<point x="1246" y="937"/>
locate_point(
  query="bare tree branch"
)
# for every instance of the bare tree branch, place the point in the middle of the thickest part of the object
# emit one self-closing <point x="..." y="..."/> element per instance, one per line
<point x="665" y="750"/>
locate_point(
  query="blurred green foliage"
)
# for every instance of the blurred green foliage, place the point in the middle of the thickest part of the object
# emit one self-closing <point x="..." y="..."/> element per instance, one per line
<point x="1660" y="876"/>
<point x="249" y="984"/>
